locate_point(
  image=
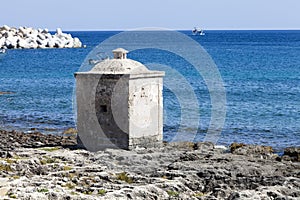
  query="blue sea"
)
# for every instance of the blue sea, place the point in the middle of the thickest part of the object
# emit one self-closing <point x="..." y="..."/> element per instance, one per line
<point x="260" y="71"/>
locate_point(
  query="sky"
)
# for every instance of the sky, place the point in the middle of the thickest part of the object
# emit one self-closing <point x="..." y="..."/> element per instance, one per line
<point x="170" y="14"/>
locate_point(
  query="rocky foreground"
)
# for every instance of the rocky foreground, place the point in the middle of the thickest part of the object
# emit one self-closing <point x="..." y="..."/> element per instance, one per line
<point x="30" y="38"/>
<point x="174" y="171"/>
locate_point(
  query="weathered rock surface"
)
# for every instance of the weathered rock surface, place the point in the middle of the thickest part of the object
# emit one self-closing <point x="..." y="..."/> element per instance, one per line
<point x="10" y="140"/>
<point x="291" y="154"/>
<point x="29" y="38"/>
<point x="175" y="171"/>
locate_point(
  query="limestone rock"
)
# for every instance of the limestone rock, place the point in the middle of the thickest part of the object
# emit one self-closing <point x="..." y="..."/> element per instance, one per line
<point x="292" y="154"/>
<point x="251" y="150"/>
<point x="4" y="191"/>
<point x="175" y="171"/>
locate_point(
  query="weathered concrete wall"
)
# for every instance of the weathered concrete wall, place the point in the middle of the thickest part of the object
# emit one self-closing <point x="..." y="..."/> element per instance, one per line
<point x="145" y="111"/>
<point x="90" y="132"/>
<point x="111" y="105"/>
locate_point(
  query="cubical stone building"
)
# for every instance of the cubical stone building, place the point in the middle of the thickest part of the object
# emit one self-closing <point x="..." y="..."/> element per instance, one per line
<point x="119" y="104"/>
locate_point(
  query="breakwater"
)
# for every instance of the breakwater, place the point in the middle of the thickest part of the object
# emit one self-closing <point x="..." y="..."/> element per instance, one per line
<point x="30" y="38"/>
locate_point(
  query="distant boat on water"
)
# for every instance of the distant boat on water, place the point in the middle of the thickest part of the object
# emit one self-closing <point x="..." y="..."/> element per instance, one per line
<point x="198" y="31"/>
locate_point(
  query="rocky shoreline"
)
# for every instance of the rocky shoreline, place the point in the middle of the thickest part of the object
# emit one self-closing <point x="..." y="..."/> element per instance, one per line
<point x="30" y="38"/>
<point x="37" y="166"/>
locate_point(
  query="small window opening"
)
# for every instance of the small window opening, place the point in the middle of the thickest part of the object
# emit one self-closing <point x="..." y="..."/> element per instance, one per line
<point x="103" y="108"/>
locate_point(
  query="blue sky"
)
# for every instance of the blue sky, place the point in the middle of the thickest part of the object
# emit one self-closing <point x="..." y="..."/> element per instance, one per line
<point x="173" y="14"/>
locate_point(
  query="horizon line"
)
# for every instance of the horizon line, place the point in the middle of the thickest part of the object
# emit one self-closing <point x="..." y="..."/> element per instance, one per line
<point x="166" y="28"/>
<point x="212" y="29"/>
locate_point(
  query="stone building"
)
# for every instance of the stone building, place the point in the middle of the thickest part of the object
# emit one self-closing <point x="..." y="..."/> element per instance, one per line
<point x="119" y="104"/>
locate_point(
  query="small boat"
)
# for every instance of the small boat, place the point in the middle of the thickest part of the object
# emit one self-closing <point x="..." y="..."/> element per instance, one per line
<point x="198" y="31"/>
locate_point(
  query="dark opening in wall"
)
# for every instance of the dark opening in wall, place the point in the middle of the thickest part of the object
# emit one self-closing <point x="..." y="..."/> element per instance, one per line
<point x="103" y="108"/>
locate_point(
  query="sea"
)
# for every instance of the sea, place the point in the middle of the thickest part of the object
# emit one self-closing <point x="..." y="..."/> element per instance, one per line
<point x="260" y="71"/>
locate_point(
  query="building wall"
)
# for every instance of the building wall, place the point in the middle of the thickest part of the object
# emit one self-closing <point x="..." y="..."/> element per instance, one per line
<point x="92" y="122"/>
<point x="119" y="111"/>
<point x="145" y="111"/>
<point x="111" y="105"/>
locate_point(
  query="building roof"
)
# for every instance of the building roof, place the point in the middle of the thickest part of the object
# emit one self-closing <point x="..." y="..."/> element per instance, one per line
<point x="120" y="66"/>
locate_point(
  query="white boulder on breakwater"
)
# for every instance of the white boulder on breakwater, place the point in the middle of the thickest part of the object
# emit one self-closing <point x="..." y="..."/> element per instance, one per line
<point x="30" y="38"/>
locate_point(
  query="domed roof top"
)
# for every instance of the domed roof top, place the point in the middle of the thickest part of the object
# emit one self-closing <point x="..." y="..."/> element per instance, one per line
<point x="119" y="64"/>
